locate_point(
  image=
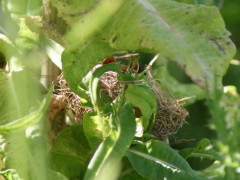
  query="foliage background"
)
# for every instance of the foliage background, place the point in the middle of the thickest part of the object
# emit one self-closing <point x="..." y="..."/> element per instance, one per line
<point x="203" y="114"/>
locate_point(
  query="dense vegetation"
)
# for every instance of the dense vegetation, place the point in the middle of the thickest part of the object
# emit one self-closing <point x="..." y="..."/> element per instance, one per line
<point x="128" y="90"/>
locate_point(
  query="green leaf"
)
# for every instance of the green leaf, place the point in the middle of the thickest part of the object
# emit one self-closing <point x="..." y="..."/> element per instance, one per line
<point x="28" y="120"/>
<point x="157" y="161"/>
<point x="76" y="64"/>
<point x="3" y="94"/>
<point x="147" y="103"/>
<point x="201" y="156"/>
<point x="205" y="2"/>
<point x="96" y="128"/>
<point x="132" y="176"/>
<point x="70" y="11"/>
<point x="17" y="7"/>
<point x="70" y="152"/>
<point x="193" y="36"/>
<point x="92" y="17"/>
<point x="10" y="174"/>
<point x="53" y="175"/>
<point x="128" y="173"/>
<point x="230" y="102"/>
<point x="203" y="149"/>
<point x="26" y="40"/>
<point x="24" y="6"/>
<point x="106" y="162"/>
<point x="54" y="51"/>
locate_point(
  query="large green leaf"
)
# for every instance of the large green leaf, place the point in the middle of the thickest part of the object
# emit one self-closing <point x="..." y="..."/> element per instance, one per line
<point x="159" y="161"/>
<point x="70" y="152"/>
<point x="76" y="64"/>
<point x="192" y="36"/>
<point x="106" y="162"/>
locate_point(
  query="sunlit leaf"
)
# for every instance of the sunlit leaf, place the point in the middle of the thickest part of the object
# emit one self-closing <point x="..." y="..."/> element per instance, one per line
<point x="96" y="128"/>
<point x="192" y="36"/>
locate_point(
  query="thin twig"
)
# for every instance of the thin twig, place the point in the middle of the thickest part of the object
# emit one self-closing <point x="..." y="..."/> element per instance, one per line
<point x="152" y="61"/>
<point x="126" y="56"/>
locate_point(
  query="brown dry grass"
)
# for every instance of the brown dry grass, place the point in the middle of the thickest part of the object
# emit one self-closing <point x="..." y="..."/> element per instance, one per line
<point x="64" y="98"/>
<point x="170" y="115"/>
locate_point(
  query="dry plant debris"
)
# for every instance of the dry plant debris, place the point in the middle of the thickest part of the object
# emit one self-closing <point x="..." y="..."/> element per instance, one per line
<point x="169" y="118"/>
<point x="110" y="84"/>
<point x="64" y="99"/>
<point x="170" y="115"/>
